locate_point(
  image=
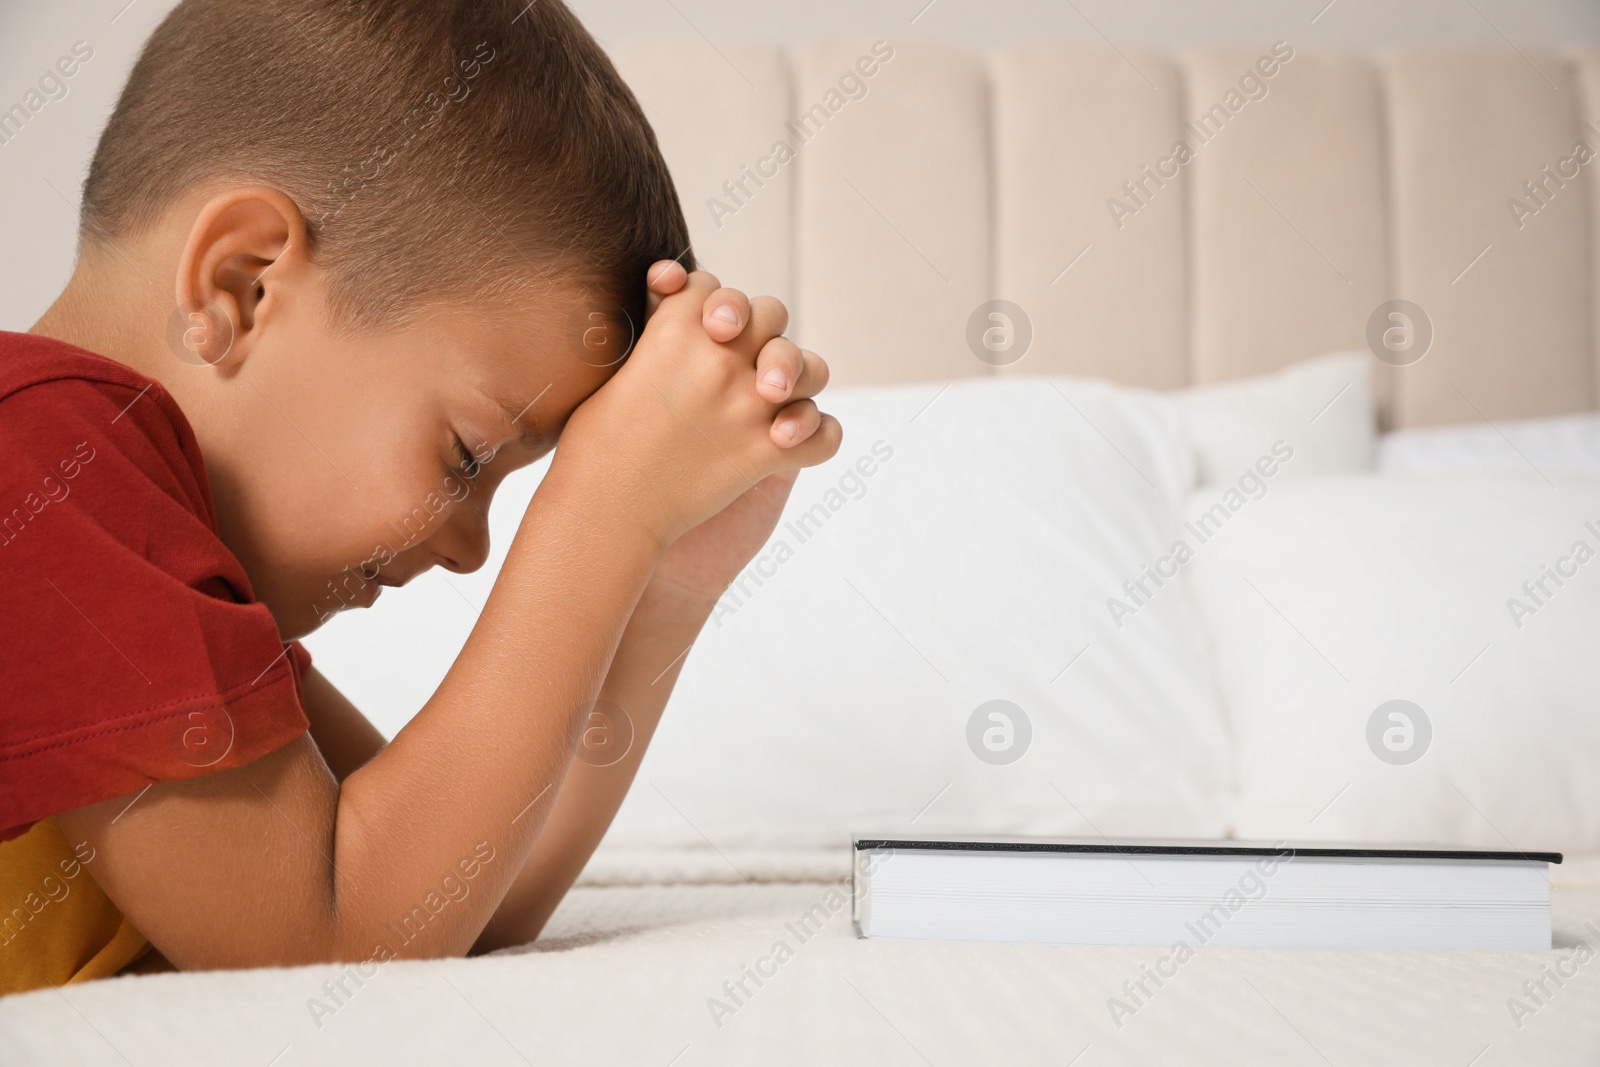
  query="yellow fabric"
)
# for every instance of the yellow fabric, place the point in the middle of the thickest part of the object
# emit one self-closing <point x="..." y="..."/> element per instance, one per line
<point x="57" y="925"/>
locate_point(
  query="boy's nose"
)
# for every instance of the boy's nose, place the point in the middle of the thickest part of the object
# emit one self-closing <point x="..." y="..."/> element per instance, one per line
<point x="462" y="544"/>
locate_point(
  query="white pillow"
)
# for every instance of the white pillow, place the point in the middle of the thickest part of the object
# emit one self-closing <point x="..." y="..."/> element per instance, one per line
<point x="961" y="550"/>
<point x="1327" y="600"/>
<point x="1563" y="444"/>
<point x="1322" y="408"/>
<point x="992" y="537"/>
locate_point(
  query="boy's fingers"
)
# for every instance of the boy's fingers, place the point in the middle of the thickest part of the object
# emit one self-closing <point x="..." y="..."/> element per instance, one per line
<point x="665" y="277"/>
<point x="725" y="315"/>
<point x="768" y="319"/>
<point x="795" y="423"/>
<point x="785" y="371"/>
<point x="818" y="447"/>
<point x="813" y="375"/>
<point x="691" y="298"/>
<point x="778" y="368"/>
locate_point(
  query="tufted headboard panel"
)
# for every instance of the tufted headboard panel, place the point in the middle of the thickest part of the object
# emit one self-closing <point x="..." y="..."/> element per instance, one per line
<point x="1160" y="220"/>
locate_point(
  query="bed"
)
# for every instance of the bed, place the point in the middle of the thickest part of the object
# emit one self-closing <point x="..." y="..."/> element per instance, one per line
<point x="1173" y="345"/>
<point x="647" y="972"/>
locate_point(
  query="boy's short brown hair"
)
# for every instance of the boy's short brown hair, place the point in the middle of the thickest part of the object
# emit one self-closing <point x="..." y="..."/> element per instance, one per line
<point x="438" y="148"/>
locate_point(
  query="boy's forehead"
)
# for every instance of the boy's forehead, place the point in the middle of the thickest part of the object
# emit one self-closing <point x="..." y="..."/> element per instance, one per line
<point x="519" y="358"/>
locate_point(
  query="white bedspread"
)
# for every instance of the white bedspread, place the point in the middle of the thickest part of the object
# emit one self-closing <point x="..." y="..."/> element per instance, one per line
<point x="648" y="974"/>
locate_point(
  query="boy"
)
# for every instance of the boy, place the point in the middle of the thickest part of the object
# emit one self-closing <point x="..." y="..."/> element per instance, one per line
<point x="344" y="264"/>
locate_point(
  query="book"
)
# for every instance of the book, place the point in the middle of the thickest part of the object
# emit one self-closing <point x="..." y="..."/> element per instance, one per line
<point x="1236" y="894"/>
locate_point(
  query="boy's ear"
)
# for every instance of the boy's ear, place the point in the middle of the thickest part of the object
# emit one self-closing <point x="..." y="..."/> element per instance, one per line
<point x="244" y="250"/>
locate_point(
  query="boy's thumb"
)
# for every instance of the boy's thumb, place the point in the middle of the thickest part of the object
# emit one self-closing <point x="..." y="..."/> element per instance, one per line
<point x="665" y="277"/>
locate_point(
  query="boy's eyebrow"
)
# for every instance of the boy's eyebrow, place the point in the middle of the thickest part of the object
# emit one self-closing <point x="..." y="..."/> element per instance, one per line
<point x="520" y="417"/>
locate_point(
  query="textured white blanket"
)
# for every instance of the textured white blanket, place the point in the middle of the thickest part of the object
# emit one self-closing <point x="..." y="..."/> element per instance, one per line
<point x="722" y="971"/>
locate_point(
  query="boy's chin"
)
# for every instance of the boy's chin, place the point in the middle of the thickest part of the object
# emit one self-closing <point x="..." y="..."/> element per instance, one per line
<point x="303" y="611"/>
<point x="297" y="624"/>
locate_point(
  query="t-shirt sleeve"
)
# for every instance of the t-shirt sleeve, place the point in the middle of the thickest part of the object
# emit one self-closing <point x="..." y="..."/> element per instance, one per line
<point x="134" y="649"/>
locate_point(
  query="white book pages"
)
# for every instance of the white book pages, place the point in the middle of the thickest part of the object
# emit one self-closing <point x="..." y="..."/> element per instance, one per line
<point x="1249" y="901"/>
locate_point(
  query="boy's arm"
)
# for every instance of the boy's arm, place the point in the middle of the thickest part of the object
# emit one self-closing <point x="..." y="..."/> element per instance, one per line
<point x="688" y="580"/>
<point x="276" y="863"/>
<point x="690" y="577"/>
<point x="643" y="672"/>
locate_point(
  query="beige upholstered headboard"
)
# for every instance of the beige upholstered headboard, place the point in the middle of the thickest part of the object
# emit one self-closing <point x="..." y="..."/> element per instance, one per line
<point x="1309" y="197"/>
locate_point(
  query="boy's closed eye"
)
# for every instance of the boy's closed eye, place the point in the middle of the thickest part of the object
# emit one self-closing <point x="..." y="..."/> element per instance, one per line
<point x="466" y="461"/>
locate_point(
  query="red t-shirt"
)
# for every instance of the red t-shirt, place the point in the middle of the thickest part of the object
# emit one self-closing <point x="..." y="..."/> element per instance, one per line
<point x="133" y="648"/>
